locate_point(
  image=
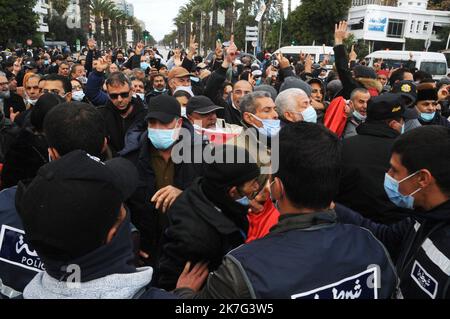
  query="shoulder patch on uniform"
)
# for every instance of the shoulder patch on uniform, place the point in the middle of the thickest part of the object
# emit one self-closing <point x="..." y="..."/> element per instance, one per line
<point x="14" y="250"/>
<point x="359" y="286"/>
<point x="424" y="280"/>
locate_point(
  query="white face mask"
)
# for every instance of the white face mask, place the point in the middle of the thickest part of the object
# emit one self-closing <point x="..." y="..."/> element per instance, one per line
<point x="78" y="96"/>
<point x="183" y="111"/>
<point x="141" y="96"/>
<point x="31" y="102"/>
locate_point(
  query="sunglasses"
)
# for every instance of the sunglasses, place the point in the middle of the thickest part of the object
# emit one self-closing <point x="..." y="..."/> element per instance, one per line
<point x="115" y="96"/>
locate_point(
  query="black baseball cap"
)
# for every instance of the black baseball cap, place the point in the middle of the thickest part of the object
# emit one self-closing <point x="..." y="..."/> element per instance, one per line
<point x="73" y="202"/>
<point x="30" y="65"/>
<point x="409" y="91"/>
<point x="164" y="108"/>
<point x="201" y="105"/>
<point x="385" y="106"/>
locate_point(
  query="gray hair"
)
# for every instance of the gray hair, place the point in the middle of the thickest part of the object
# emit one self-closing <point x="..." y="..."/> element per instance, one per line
<point x="287" y="100"/>
<point x="358" y="90"/>
<point x="2" y="74"/>
<point x="248" y="101"/>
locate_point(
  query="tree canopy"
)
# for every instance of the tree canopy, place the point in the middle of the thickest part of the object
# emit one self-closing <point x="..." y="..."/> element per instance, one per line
<point x="19" y="22"/>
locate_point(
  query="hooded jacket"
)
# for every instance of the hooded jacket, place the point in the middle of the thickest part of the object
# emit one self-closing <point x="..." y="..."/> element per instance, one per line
<point x="105" y="273"/>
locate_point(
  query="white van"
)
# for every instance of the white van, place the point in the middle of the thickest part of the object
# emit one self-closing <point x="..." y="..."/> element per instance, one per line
<point x="317" y="52"/>
<point x="431" y="62"/>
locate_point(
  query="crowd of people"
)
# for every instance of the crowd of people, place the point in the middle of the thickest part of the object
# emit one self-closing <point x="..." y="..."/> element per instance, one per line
<point x="126" y="174"/>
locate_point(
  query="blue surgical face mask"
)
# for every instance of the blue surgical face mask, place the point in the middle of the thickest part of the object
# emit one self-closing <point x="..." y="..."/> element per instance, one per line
<point x="161" y="139"/>
<point x="144" y="65"/>
<point x="391" y="186"/>
<point x="259" y="81"/>
<point x="403" y="129"/>
<point x="160" y="91"/>
<point x="244" y="201"/>
<point x="183" y="112"/>
<point x="270" y="127"/>
<point x="427" y="117"/>
<point x="141" y="96"/>
<point x="309" y="115"/>
<point x="46" y="62"/>
<point x="359" y="116"/>
<point x="78" y="96"/>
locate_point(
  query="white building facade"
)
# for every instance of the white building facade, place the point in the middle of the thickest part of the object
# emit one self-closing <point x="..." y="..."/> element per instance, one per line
<point x="41" y="8"/>
<point x="388" y="27"/>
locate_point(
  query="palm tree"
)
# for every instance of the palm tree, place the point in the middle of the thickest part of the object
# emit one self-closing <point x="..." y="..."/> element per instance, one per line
<point x="114" y="16"/>
<point x="85" y="15"/>
<point x="107" y="8"/>
<point x="97" y="10"/>
<point x="215" y="10"/>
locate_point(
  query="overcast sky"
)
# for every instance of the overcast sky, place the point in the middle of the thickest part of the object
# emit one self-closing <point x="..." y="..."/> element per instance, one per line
<point x="158" y="15"/>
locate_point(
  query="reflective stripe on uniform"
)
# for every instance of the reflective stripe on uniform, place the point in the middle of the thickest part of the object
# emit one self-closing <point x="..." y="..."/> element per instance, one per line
<point x="436" y="256"/>
<point x="8" y="291"/>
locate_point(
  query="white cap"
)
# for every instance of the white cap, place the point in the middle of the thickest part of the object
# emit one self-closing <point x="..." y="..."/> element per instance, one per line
<point x="257" y="73"/>
<point x="185" y="89"/>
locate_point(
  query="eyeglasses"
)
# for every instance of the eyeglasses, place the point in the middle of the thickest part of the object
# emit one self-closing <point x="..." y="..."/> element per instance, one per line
<point x="115" y="96"/>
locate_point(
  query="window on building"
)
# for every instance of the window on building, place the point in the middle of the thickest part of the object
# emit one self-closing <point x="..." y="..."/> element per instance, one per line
<point x="411" y="29"/>
<point x="410" y="3"/>
<point x="419" y="26"/>
<point x="426" y="26"/>
<point x="395" y="28"/>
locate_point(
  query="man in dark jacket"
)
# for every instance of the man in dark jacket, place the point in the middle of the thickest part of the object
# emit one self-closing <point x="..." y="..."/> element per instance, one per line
<point x="231" y="112"/>
<point x="308" y="254"/>
<point x="419" y="245"/>
<point x="122" y="112"/>
<point x="62" y="129"/>
<point x="79" y="194"/>
<point x="426" y="105"/>
<point x="210" y="217"/>
<point x="161" y="178"/>
<point x="366" y="159"/>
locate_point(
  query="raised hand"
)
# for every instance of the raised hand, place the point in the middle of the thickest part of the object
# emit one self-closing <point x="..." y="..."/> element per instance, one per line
<point x="219" y="51"/>
<point x="352" y="56"/>
<point x="283" y="62"/>
<point x="340" y="32"/>
<point x="231" y="50"/>
<point x="139" y="48"/>
<point x="193" y="47"/>
<point x="308" y="63"/>
<point x="102" y="65"/>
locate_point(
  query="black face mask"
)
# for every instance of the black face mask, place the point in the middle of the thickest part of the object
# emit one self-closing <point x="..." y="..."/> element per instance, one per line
<point x="120" y="60"/>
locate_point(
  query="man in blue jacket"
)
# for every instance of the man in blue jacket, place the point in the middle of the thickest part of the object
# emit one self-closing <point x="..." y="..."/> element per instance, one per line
<point x="419" y="179"/>
<point x="308" y="254"/>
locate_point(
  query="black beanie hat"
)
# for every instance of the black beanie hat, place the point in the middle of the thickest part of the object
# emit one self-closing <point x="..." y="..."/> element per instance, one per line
<point x="227" y="171"/>
<point x="43" y="105"/>
<point x="362" y="71"/>
<point x="426" y="91"/>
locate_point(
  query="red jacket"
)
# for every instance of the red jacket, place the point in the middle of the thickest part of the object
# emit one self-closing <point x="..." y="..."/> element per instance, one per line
<point x="261" y="223"/>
